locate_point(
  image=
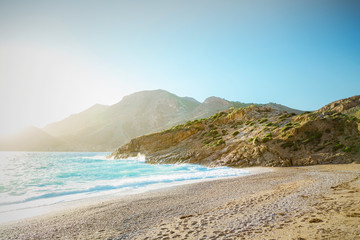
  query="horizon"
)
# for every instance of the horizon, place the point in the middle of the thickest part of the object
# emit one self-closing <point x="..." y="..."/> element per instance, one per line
<point x="60" y="58"/>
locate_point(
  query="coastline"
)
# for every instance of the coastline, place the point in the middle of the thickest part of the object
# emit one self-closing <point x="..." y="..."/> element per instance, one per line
<point x="13" y="213"/>
<point x="312" y="202"/>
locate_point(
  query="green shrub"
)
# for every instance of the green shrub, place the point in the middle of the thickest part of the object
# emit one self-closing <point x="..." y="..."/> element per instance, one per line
<point x="218" y="115"/>
<point x="284" y="116"/>
<point x="219" y="142"/>
<point x="288" y="124"/>
<point x="256" y="140"/>
<point x="269" y="124"/>
<point x="206" y="141"/>
<point x="248" y="122"/>
<point x="177" y="127"/>
<point x="235" y="133"/>
<point x="263" y="120"/>
<point x="201" y="128"/>
<point x="213" y="133"/>
<point x="312" y="136"/>
<point x="347" y="149"/>
<point x="338" y="146"/>
<point x="286" y="128"/>
<point x="266" y="139"/>
<point x="268" y="135"/>
<point x="289" y="136"/>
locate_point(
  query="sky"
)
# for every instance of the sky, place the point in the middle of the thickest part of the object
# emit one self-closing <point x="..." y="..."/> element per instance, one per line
<point x="61" y="57"/>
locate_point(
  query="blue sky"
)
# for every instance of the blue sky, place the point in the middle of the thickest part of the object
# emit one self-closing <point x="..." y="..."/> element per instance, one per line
<point x="60" y="57"/>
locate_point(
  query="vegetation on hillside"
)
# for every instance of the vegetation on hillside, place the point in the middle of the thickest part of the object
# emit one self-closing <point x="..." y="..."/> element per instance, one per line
<point x="254" y="136"/>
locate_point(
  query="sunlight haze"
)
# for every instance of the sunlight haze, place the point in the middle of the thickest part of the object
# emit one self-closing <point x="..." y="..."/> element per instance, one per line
<point x="61" y="57"/>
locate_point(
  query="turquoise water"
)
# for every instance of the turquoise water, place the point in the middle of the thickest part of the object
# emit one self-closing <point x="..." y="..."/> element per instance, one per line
<point x="44" y="178"/>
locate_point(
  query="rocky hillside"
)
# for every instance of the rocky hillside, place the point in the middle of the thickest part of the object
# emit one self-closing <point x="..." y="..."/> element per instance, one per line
<point x="349" y="106"/>
<point x="104" y="128"/>
<point x="256" y="136"/>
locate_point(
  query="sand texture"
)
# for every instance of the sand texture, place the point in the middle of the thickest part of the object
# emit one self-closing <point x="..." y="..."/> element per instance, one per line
<point x="317" y="202"/>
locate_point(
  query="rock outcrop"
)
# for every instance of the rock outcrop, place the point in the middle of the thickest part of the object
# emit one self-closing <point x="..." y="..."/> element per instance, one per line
<point x="255" y="136"/>
<point x="342" y="106"/>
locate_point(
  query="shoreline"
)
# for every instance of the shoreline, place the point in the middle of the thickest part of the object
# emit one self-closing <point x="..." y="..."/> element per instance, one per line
<point x="313" y="202"/>
<point x="63" y="204"/>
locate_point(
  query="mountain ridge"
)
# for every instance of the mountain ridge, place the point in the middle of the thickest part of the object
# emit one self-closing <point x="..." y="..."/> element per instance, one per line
<point x="256" y="136"/>
<point x="30" y="139"/>
<point x="105" y="127"/>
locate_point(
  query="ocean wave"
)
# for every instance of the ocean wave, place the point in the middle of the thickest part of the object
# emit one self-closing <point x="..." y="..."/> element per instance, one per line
<point x="49" y="178"/>
<point x="139" y="158"/>
<point x="97" y="157"/>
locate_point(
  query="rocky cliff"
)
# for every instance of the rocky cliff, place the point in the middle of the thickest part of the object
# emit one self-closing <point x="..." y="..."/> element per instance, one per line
<point x="256" y="136"/>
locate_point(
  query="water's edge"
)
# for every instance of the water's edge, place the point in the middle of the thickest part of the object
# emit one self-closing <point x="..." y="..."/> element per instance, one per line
<point x="106" y="185"/>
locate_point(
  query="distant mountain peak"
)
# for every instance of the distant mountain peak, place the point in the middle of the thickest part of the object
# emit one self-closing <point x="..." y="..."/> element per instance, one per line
<point x="97" y="105"/>
<point x="191" y="99"/>
<point x="29" y="139"/>
<point x="213" y="99"/>
<point x="103" y="128"/>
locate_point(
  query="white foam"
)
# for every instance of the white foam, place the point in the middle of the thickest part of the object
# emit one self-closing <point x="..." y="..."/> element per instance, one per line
<point x="139" y="158"/>
<point x="43" y="180"/>
<point x="42" y="206"/>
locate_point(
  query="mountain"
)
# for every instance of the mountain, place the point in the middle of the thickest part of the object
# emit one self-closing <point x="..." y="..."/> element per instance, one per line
<point x="104" y="128"/>
<point x="210" y="106"/>
<point x="349" y="106"/>
<point x="77" y="122"/>
<point x="282" y="108"/>
<point x="30" y="139"/>
<point x="257" y="136"/>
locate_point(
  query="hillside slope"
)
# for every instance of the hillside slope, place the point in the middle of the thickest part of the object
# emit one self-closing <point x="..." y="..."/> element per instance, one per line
<point x="30" y="139"/>
<point x="254" y="136"/>
<point x="77" y="122"/>
<point x="104" y="128"/>
<point x="349" y="106"/>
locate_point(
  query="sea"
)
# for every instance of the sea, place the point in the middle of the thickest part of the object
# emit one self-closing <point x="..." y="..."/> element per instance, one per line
<point x="33" y="183"/>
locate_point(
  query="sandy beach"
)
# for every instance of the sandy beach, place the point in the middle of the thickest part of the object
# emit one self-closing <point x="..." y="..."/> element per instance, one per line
<point x="316" y="202"/>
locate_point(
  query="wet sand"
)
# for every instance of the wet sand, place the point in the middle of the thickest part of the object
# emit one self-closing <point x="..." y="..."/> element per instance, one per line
<point x="317" y="202"/>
